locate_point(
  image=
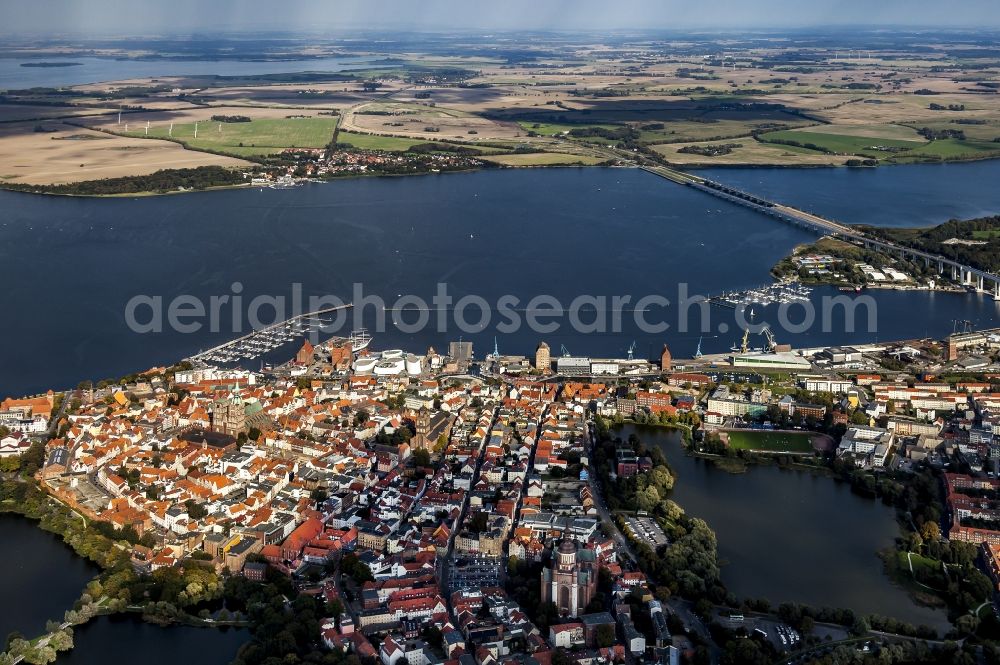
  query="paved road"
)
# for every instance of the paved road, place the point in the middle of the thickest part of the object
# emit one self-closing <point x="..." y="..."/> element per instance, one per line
<point x="446" y="563"/>
<point x="682" y="608"/>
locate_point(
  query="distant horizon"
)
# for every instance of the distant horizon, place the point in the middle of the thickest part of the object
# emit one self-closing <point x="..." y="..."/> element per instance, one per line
<point x="475" y="31"/>
<point x="125" y="18"/>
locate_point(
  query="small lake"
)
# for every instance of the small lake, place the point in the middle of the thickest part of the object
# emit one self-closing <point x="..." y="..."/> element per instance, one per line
<point x="128" y="639"/>
<point x="42" y="577"/>
<point x="792" y="536"/>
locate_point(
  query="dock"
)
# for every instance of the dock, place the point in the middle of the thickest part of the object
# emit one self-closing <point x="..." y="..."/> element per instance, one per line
<point x="269" y="336"/>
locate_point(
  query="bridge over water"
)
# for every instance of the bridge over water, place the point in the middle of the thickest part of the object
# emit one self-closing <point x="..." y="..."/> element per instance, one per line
<point x="981" y="280"/>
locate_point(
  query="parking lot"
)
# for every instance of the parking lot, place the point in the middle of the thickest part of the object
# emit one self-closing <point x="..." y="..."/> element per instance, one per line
<point x="647" y="530"/>
<point x="782" y="636"/>
<point x="474" y="572"/>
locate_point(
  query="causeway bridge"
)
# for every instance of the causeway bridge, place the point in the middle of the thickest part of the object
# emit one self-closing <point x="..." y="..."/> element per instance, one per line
<point x="980" y="280"/>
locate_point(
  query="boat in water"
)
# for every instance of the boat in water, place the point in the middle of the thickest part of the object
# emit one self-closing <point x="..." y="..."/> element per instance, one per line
<point x="360" y="339"/>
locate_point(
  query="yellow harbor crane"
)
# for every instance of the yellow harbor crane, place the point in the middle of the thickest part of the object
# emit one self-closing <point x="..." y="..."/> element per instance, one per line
<point x="766" y="331"/>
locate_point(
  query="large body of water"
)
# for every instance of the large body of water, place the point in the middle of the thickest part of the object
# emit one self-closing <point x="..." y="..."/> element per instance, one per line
<point x="71" y="265"/>
<point x="91" y="70"/>
<point x="42" y="577"/>
<point x="907" y="195"/>
<point x="792" y="536"/>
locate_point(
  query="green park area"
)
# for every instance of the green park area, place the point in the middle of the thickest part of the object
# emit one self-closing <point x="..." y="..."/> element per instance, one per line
<point x="777" y="442"/>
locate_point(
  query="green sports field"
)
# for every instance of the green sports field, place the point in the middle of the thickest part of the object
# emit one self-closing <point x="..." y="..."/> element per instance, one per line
<point x="778" y="442"/>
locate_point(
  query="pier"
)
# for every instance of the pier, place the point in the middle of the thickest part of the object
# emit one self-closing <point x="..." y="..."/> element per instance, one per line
<point x="266" y="332"/>
<point x="981" y="281"/>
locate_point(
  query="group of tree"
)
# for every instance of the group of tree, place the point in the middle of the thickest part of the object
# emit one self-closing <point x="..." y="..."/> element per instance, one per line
<point x="354" y="568"/>
<point x="932" y="134"/>
<point x="713" y="150"/>
<point x="285" y="626"/>
<point x="689" y="565"/>
<point x="165" y="180"/>
<point x="27" y="463"/>
<point x="984" y="254"/>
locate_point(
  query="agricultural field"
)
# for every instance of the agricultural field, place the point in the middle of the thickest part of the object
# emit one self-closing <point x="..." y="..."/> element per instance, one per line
<point x="750" y="152"/>
<point x="843" y="144"/>
<point x="425" y="120"/>
<point x="707" y="128"/>
<point x="952" y="149"/>
<point x="555" y="128"/>
<point x="777" y="442"/>
<point x="259" y="137"/>
<point x="377" y="142"/>
<point x="543" y="159"/>
<point x="66" y="153"/>
<point x="888" y="132"/>
<point x="975" y="129"/>
<point x="678" y="104"/>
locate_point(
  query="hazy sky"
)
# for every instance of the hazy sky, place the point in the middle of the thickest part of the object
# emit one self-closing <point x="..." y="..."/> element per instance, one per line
<point x="135" y="17"/>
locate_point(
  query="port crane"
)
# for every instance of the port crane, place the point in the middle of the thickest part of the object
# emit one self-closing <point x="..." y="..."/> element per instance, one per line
<point x="697" y="352"/>
<point x="744" y="345"/>
<point x="771" y="342"/>
<point x="564" y="350"/>
<point x="631" y="350"/>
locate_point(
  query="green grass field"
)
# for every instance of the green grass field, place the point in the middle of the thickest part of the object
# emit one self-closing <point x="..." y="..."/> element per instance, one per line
<point x="954" y="149"/>
<point x="543" y="159"/>
<point x="778" y="442"/>
<point x="908" y="151"/>
<point x="926" y="571"/>
<point x="263" y="136"/>
<point x="845" y="144"/>
<point x="556" y="128"/>
<point x="691" y="130"/>
<point x="989" y="130"/>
